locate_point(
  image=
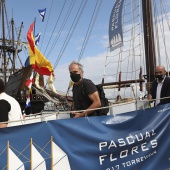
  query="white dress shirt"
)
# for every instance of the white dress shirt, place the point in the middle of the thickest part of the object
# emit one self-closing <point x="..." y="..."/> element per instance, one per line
<point x="158" y="91"/>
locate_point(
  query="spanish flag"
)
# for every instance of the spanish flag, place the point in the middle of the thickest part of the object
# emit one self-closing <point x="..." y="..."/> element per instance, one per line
<point x="39" y="63"/>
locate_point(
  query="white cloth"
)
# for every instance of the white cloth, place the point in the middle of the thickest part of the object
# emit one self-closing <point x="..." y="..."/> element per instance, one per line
<point x="158" y="93"/>
<point x="15" y="113"/>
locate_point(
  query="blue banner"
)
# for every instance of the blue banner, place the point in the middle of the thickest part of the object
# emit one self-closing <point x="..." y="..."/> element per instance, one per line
<point x="138" y="140"/>
<point x="115" y="26"/>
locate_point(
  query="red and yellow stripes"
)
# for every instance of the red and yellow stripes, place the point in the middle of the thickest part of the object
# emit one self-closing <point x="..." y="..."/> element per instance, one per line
<point x="39" y="63"/>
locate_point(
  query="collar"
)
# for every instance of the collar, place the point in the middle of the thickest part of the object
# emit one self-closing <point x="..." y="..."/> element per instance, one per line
<point x="2" y="94"/>
<point x="77" y="83"/>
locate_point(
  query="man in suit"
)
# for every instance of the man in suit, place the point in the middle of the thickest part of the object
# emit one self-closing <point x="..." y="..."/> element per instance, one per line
<point x="160" y="90"/>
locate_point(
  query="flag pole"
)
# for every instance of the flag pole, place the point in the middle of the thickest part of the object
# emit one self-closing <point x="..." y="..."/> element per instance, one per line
<point x="31" y="154"/>
<point x="8" y="155"/>
<point x="32" y="72"/>
<point x="52" y="156"/>
<point x="34" y="27"/>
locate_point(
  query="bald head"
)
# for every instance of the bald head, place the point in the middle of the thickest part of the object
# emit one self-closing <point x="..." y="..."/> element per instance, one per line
<point x="160" y="70"/>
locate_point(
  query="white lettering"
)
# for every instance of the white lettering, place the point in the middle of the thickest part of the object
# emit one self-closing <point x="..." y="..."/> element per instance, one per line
<point x="138" y="139"/>
<point x="153" y="133"/>
<point x="123" y="164"/>
<point x="147" y="135"/>
<point x="101" y="159"/>
<point x="128" y="140"/>
<point x="102" y="144"/>
<point x="121" y="142"/>
<point x="154" y="143"/>
<point x="134" y="149"/>
<point x="137" y="160"/>
<point x="133" y="162"/>
<point x="141" y="158"/>
<point x="112" y="159"/>
<point x="123" y="153"/>
<point x="143" y="147"/>
<point x="117" y="166"/>
<point x="128" y="163"/>
<point x="112" y="144"/>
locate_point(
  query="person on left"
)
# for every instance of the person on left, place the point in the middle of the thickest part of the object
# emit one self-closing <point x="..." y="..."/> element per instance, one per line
<point x="5" y="107"/>
<point x="12" y="107"/>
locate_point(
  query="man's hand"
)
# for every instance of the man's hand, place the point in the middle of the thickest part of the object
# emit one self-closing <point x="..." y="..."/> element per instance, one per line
<point x="149" y="97"/>
<point x="148" y="86"/>
<point x="77" y="115"/>
<point x="3" y="125"/>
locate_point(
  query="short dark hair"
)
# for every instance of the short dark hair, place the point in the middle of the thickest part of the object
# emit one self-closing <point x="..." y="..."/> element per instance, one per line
<point x="2" y="86"/>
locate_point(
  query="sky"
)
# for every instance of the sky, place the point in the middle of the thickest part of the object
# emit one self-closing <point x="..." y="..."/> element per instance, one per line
<point x="93" y="57"/>
<point x="54" y="43"/>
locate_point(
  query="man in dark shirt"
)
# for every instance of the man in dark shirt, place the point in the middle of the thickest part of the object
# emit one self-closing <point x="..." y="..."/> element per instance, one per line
<point x="5" y="107"/>
<point x="85" y="94"/>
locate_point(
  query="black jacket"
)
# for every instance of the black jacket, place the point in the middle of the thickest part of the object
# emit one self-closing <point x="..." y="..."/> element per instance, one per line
<point x="165" y="91"/>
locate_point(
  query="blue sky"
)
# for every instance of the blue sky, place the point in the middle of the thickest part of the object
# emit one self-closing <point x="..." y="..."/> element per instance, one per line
<point x="95" y="53"/>
<point x="27" y="11"/>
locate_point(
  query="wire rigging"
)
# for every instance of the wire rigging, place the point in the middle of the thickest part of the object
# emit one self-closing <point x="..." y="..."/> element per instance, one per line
<point x="90" y="28"/>
<point x="73" y="26"/>
<point x="62" y="27"/>
<point x="54" y="27"/>
<point x="46" y="26"/>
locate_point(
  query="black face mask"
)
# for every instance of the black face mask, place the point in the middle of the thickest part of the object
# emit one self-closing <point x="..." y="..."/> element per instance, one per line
<point x="160" y="77"/>
<point x="75" y="77"/>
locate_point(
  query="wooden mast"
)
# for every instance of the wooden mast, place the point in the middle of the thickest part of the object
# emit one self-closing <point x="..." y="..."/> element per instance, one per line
<point x="149" y="40"/>
<point x="12" y="24"/>
<point x="8" y="46"/>
<point x="16" y="49"/>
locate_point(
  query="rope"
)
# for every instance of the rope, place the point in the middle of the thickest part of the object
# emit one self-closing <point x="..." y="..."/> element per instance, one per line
<point x="34" y="116"/>
<point x="59" y="32"/>
<point x="46" y="27"/>
<point x="43" y="93"/>
<point x="156" y="34"/>
<point x="73" y="26"/>
<point x="167" y="59"/>
<point x="90" y="28"/>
